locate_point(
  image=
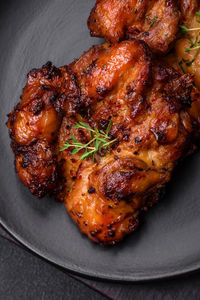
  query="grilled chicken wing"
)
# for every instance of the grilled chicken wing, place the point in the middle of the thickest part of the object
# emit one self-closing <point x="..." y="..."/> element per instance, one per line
<point x="155" y="22"/>
<point x="34" y="124"/>
<point x="148" y="105"/>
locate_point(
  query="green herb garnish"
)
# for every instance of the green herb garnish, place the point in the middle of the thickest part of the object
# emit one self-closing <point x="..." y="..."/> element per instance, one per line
<point x="153" y="21"/>
<point x="99" y="140"/>
<point x="186" y="29"/>
<point x="193" y="45"/>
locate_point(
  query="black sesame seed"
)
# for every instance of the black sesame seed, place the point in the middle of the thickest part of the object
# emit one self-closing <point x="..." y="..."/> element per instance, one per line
<point x="111" y="233"/>
<point x="91" y="190"/>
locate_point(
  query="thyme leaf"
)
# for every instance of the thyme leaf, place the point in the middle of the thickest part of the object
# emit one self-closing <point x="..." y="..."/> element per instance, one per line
<point x="193" y="45"/>
<point x="153" y="21"/>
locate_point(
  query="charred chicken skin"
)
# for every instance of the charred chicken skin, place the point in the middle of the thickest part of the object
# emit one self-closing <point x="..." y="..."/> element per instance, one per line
<point x="34" y="125"/>
<point x="155" y="22"/>
<point x="149" y="106"/>
<point x="154" y="122"/>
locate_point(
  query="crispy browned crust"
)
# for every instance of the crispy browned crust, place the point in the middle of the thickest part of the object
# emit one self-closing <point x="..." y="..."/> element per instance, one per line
<point x="153" y="119"/>
<point x="188" y="9"/>
<point x="34" y="123"/>
<point x="155" y="22"/>
<point x="149" y="105"/>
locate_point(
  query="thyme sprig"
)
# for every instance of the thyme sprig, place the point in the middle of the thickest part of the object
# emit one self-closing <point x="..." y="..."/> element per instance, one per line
<point x="99" y="140"/>
<point x="193" y="45"/>
<point x="186" y="29"/>
<point x="153" y="21"/>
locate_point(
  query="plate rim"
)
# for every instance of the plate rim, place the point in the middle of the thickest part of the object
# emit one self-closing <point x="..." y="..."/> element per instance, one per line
<point x="98" y="275"/>
<point x="92" y="274"/>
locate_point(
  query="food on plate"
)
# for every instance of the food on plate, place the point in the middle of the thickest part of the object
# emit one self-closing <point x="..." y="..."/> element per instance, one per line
<point x="187" y="49"/>
<point x="34" y="123"/>
<point x="119" y="94"/>
<point x="104" y="134"/>
<point x="155" y="22"/>
<point x="148" y="105"/>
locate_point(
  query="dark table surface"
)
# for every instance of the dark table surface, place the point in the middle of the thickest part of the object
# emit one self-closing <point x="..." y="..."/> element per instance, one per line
<point x="24" y="275"/>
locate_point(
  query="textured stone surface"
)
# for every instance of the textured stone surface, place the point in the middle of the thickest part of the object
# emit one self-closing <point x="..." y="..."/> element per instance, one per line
<point x="24" y="276"/>
<point x="20" y="269"/>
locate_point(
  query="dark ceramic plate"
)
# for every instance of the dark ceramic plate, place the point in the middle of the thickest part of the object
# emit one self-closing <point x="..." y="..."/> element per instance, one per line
<point x="168" y="240"/>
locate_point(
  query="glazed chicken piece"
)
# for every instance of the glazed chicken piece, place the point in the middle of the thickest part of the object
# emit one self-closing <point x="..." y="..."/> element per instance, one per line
<point x="189" y="61"/>
<point x="34" y="125"/>
<point x="148" y="105"/>
<point x="155" y="22"/>
<point x="184" y="61"/>
<point x="153" y="123"/>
